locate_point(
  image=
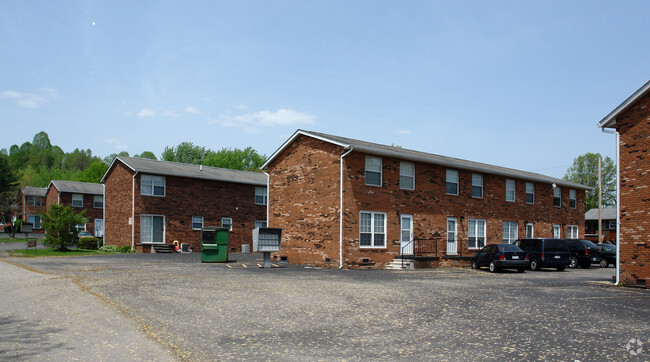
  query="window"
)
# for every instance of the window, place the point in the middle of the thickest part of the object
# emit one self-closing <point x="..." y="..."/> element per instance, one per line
<point x="79" y="227"/>
<point x="226" y="222"/>
<point x="260" y="223"/>
<point x="572" y="199"/>
<point x="477" y="185"/>
<point x="98" y="201"/>
<point x="556" y="231"/>
<point x="509" y="232"/>
<point x="476" y="234"/>
<point x="260" y="195"/>
<point x="197" y="222"/>
<point x="152" y="185"/>
<point x="35" y="220"/>
<point x="452" y="182"/>
<point x="372" y="230"/>
<point x="530" y="230"/>
<point x="557" y="197"/>
<point x="572" y="232"/>
<point x="611" y="224"/>
<point x="152" y="229"/>
<point x="510" y="190"/>
<point x="77" y="200"/>
<point x="373" y="171"/>
<point x="530" y="193"/>
<point x="34" y="201"/>
<point x="406" y="175"/>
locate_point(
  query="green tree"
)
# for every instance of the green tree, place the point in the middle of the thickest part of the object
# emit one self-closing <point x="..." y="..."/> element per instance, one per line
<point x="8" y="190"/>
<point x="235" y="159"/>
<point x="185" y="152"/>
<point x="59" y="223"/>
<point x="585" y="171"/>
<point x="108" y="159"/>
<point x="147" y="154"/>
<point x="94" y="172"/>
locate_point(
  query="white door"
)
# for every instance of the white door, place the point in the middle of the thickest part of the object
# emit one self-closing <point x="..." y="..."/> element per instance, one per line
<point x="99" y="227"/>
<point x="406" y="235"/>
<point x="451" y="235"/>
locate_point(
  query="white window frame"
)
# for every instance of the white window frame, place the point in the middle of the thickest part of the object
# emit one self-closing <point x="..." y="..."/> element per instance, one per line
<point x="508" y="228"/>
<point x="573" y="198"/>
<point x="79" y="203"/>
<point x="530" y="190"/>
<point x="557" y="194"/>
<point x="511" y="190"/>
<point x="557" y="231"/>
<point x="374" y="229"/>
<point x="101" y="201"/>
<point x="260" y="223"/>
<point x="36" y="221"/>
<point x="477" y="181"/>
<point x="405" y="176"/>
<point x="530" y="230"/>
<point x="226" y="221"/>
<point x="148" y="184"/>
<point x="197" y="222"/>
<point x="572" y="231"/>
<point x="261" y="196"/>
<point x="452" y="177"/>
<point x="477" y="232"/>
<point x="150" y="241"/>
<point x="369" y="168"/>
<point x="34" y="201"/>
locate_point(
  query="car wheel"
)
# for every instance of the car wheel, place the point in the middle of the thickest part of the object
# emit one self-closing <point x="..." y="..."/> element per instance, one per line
<point x="604" y="263"/>
<point x="474" y="264"/>
<point x="493" y="267"/>
<point x="560" y="268"/>
<point x="534" y="265"/>
<point x="574" y="262"/>
<point x="521" y="270"/>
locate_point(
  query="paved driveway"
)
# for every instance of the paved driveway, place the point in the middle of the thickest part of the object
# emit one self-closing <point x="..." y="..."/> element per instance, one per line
<point x="239" y="311"/>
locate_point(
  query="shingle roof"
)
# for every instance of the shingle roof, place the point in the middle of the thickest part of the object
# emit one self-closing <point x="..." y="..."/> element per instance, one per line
<point x="610" y="120"/>
<point x="417" y="156"/>
<point x="165" y="168"/>
<point x="608" y="213"/>
<point x="78" y="187"/>
<point x="34" y="191"/>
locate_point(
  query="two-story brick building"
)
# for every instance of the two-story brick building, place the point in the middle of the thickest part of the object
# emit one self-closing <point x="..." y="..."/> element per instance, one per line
<point x="342" y="202"/>
<point x="631" y="120"/>
<point x="151" y="202"/>
<point x="31" y="201"/>
<point x="81" y="196"/>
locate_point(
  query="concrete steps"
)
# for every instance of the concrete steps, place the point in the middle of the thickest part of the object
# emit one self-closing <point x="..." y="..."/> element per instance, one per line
<point x="396" y="264"/>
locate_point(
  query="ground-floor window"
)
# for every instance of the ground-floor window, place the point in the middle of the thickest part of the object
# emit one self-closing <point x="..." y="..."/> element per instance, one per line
<point x="152" y="229"/>
<point x="226" y="222"/>
<point x="372" y="229"/>
<point x="35" y="220"/>
<point x="530" y="230"/>
<point x="509" y="232"/>
<point x="476" y="233"/>
<point x="572" y="232"/>
<point x="260" y="223"/>
<point x="197" y="222"/>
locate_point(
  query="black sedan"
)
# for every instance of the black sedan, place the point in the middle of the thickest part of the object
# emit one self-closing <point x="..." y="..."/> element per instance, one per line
<point x="501" y="256"/>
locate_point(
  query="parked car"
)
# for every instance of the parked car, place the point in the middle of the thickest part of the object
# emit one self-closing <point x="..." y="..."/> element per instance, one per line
<point x="501" y="256"/>
<point x="546" y="253"/>
<point x="607" y="254"/>
<point x="583" y="253"/>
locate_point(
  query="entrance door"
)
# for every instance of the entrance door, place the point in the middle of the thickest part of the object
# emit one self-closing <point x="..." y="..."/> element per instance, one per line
<point x="406" y="240"/>
<point x="452" y="229"/>
<point x="99" y="227"/>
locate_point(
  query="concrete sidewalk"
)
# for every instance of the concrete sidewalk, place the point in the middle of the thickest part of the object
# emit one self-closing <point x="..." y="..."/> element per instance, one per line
<point x="45" y="317"/>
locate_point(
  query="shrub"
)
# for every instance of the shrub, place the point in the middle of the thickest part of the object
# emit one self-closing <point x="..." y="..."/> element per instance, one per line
<point x="87" y="242"/>
<point x="114" y="249"/>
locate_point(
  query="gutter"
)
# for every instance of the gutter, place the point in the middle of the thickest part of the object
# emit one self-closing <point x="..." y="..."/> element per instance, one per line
<point x="267" y="197"/>
<point x="618" y="205"/>
<point x="341" y="211"/>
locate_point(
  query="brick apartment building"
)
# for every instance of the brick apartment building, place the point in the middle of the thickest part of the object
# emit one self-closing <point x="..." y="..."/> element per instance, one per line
<point x="350" y="203"/>
<point x="31" y="201"/>
<point x="151" y="202"/>
<point x="81" y="196"/>
<point x="608" y="228"/>
<point x="631" y="119"/>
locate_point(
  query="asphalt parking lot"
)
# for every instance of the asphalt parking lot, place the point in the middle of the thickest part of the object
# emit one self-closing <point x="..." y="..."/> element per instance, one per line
<point x="240" y="311"/>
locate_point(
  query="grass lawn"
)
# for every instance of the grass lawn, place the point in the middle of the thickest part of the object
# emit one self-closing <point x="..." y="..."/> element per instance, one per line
<point x="53" y="252"/>
<point x="14" y="240"/>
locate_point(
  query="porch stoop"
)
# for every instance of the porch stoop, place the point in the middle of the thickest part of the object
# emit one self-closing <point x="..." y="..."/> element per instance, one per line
<point x="396" y="264"/>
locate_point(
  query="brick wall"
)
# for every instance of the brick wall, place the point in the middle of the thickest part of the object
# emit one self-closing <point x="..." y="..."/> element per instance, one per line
<point x="53" y="197"/>
<point x="304" y="202"/>
<point x="633" y="126"/>
<point x="117" y="205"/>
<point x="26" y="209"/>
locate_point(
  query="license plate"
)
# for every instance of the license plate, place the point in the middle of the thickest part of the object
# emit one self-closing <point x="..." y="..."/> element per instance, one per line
<point x="557" y="257"/>
<point x="515" y="256"/>
<point x="594" y="259"/>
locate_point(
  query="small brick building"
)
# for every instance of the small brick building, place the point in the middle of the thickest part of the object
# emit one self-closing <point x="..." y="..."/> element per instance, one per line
<point x="608" y="228"/>
<point x="348" y="203"/>
<point x="151" y="202"/>
<point x="81" y="196"/>
<point x="631" y="119"/>
<point x="31" y="202"/>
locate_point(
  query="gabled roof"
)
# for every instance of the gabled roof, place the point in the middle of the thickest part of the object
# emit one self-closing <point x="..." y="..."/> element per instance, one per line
<point x="610" y="120"/>
<point x="77" y="187"/>
<point x="165" y="168"/>
<point x="34" y="191"/>
<point x="417" y="156"/>
<point x="608" y="213"/>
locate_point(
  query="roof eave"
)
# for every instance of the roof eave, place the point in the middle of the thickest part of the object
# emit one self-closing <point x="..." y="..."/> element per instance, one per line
<point x="293" y="137"/>
<point x="610" y="120"/>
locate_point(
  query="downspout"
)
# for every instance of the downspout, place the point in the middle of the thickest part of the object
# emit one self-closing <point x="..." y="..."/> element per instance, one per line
<point x="267" y="198"/>
<point x="133" y="213"/>
<point x="341" y="211"/>
<point x="618" y="205"/>
<point x="103" y="212"/>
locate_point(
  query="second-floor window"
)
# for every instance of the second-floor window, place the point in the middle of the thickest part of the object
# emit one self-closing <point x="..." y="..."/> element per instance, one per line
<point x="373" y="171"/>
<point x="77" y="200"/>
<point x="152" y="185"/>
<point x="452" y="182"/>
<point x="510" y="190"/>
<point x="557" y="197"/>
<point x="530" y="193"/>
<point x="34" y="201"/>
<point x="572" y="199"/>
<point x="406" y="175"/>
<point x="260" y="195"/>
<point x="98" y="201"/>
<point x="477" y="185"/>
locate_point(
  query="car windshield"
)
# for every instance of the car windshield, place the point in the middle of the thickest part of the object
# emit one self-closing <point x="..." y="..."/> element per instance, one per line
<point x="609" y="247"/>
<point x="508" y="247"/>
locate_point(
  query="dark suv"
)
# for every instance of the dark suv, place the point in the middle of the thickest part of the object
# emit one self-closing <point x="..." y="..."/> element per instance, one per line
<point x="546" y="253"/>
<point x="583" y="253"/>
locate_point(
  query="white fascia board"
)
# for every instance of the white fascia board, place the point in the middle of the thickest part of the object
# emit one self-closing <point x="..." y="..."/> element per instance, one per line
<point x="610" y="120"/>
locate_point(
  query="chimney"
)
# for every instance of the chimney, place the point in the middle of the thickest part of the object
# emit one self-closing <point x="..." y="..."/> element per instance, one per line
<point x="200" y="167"/>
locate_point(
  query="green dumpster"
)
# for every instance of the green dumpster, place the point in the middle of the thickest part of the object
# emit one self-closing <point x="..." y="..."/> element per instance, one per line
<point x="214" y="245"/>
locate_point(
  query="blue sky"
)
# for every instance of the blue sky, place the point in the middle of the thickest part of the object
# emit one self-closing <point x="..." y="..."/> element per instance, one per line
<point x="520" y="84"/>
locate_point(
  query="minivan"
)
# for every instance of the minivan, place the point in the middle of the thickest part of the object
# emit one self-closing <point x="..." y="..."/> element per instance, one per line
<point x="546" y="253"/>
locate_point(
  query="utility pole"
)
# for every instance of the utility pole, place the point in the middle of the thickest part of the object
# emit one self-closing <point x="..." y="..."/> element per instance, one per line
<point x="600" y="202"/>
